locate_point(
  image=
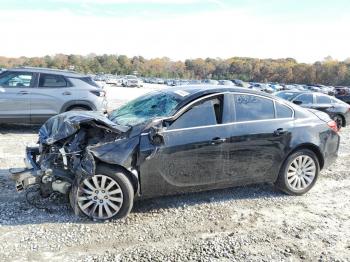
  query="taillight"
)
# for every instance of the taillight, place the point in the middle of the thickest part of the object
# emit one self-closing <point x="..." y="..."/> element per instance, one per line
<point x="99" y="93"/>
<point x="333" y="125"/>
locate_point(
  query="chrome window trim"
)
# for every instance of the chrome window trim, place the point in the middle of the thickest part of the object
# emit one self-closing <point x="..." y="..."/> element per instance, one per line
<point x="184" y="109"/>
<point x="220" y="125"/>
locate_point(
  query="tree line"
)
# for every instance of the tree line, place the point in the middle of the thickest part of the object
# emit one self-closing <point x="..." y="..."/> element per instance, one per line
<point x="288" y="70"/>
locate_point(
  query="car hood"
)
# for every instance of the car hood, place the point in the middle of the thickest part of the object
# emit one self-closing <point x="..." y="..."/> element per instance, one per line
<point x="66" y="124"/>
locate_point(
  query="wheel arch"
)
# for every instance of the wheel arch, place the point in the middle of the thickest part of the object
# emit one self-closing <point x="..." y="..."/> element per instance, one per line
<point x="77" y="103"/>
<point x="312" y="147"/>
<point x="343" y="119"/>
<point x="134" y="178"/>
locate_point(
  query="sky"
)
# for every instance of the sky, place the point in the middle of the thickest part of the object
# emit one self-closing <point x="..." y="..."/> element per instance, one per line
<point x="307" y="30"/>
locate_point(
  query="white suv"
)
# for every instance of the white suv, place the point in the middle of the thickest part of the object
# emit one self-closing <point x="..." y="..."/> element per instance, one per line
<point x="132" y="81"/>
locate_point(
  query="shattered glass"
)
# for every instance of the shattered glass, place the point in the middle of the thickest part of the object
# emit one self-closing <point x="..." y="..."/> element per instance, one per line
<point x="152" y="105"/>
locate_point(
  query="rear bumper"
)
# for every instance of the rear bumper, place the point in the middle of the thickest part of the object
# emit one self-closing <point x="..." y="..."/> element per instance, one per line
<point x="331" y="149"/>
<point x="329" y="160"/>
<point x="347" y="118"/>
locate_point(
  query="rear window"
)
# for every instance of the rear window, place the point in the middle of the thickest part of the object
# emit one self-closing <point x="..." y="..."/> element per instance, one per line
<point x="305" y="99"/>
<point x="90" y="81"/>
<point x="47" y="80"/>
<point x="283" y="111"/>
<point x="286" y="95"/>
<point x="323" y="99"/>
<point x="250" y="107"/>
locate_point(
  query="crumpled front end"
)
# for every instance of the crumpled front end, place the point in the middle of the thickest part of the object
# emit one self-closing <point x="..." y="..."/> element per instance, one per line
<point x="70" y="146"/>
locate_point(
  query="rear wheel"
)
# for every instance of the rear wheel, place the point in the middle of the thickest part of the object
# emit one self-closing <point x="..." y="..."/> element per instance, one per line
<point x="299" y="173"/>
<point x="339" y="120"/>
<point x="107" y="195"/>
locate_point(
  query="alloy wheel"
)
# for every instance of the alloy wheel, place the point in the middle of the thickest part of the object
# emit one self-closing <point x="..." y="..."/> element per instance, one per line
<point x="301" y="172"/>
<point x="339" y="121"/>
<point x="100" y="197"/>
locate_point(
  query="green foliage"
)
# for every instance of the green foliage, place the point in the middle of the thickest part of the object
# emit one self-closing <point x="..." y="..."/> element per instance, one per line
<point x="329" y="71"/>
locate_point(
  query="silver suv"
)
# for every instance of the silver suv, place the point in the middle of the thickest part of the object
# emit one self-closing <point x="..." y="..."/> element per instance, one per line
<point x="31" y="95"/>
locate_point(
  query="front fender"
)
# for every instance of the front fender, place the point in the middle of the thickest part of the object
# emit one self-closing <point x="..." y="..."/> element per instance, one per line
<point x="122" y="152"/>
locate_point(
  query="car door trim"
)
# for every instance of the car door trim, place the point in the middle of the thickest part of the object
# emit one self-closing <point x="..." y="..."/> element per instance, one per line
<point x="225" y="124"/>
<point x="185" y="108"/>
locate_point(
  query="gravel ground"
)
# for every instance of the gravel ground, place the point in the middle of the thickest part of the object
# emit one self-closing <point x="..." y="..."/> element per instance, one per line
<point x="252" y="223"/>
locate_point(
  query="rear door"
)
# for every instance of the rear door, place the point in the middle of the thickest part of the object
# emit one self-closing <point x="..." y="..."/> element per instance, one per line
<point x="15" y="92"/>
<point x="259" y="141"/>
<point x="49" y="96"/>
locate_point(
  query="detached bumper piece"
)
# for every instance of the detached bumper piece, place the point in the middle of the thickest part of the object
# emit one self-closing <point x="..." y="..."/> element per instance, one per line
<point x="24" y="178"/>
<point x="33" y="175"/>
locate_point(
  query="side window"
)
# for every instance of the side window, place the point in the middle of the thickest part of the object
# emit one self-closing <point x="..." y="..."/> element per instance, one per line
<point x="323" y="100"/>
<point x="305" y="99"/>
<point x="250" y="107"/>
<point x="52" y="81"/>
<point x="208" y="112"/>
<point x="283" y="111"/>
<point x="16" y="79"/>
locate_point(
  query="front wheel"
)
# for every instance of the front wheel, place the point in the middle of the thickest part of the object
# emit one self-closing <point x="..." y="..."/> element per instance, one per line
<point x="298" y="173"/>
<point x="107" y="195"/>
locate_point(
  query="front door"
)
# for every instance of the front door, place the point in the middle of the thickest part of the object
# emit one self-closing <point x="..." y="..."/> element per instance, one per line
<point x="15" y="92"/>
<point x="191" y="156"/>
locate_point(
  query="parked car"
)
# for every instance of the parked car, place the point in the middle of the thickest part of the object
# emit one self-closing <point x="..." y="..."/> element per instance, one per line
<point x="132" y="81"/>
<point x="262" y="87"/>
<point x="275" y="87"/>
<point x="337" y="109"/>
<point x="226" y="83"/>
<point x="343" y="93"/>
<point x="313" y="88"/>
<point x="240" y="83"/>
<point x="194" y="82"/>
<point x="210" y="82"/>
<point x="160" y="144"/>
<point x="114" y="80"/>
<point x="31" y="95"/>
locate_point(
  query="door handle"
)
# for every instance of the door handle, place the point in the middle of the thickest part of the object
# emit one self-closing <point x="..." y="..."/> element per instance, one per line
<point x="66" y="93"/>
<point x="218" y="140"/>
<point x="23" y="92"/>
<point x="279" y="132"/>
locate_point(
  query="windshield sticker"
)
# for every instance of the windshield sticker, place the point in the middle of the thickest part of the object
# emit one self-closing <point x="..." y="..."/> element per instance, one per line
<point x="181" y="93"/>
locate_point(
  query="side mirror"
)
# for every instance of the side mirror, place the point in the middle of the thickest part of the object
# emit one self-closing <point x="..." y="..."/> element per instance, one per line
<point x="155" y="137"/>
<point x="297" y="102"/>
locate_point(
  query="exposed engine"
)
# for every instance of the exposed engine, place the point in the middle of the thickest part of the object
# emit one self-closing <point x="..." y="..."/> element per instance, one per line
<point x="71" y="154"/>
<point x="70" y="146"/>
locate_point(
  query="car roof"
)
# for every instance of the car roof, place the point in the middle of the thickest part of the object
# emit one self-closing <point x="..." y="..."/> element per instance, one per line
<point x="190" y="92"/>
<point x="46" y="71"/>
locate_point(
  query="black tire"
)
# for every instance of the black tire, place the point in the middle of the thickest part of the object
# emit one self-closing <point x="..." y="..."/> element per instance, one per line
<point x="123" y="182"/>
<point x="339" y="120"/>
<point x="79" y="108"/>
<point x="282" y="180"/>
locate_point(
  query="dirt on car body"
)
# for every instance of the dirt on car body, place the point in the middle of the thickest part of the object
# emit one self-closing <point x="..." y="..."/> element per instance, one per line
<point x="246" y="223"/>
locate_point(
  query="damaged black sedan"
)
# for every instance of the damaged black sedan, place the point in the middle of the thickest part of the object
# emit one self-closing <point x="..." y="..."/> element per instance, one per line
<point x="178" y="140"/>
